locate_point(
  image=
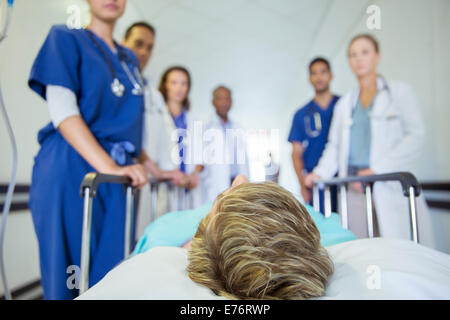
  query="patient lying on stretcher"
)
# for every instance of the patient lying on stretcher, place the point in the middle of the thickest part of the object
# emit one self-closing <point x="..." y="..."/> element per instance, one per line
<point x="257" y="241"/>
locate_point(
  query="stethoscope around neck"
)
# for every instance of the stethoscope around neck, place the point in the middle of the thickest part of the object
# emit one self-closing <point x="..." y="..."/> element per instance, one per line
<point x="382" y="85"/>
<point x="117" y="88"/>
<point x="313" y="117"/>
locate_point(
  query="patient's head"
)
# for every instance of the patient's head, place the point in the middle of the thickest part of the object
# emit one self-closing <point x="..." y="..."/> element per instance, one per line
<point x="259" y="242"/>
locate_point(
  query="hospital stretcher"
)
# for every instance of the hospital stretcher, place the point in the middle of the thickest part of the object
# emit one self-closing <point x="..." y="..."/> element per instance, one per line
<point x="409" y="183"/>
<point x="410" y="186"/>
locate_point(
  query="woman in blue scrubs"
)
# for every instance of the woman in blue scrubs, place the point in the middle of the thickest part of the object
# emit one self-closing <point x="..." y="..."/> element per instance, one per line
<point x="102" y="133"/>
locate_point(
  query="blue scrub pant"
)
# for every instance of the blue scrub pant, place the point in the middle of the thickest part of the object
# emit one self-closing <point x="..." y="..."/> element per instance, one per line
<point x="57" y="211"/>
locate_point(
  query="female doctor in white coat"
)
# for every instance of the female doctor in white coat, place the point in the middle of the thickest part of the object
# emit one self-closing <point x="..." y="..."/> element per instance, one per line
<point x="174" y="86"/>
<point x="376" y="128"/>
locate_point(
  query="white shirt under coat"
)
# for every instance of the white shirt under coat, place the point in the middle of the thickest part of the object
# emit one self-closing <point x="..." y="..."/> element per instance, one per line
<point x="219" y="164"/>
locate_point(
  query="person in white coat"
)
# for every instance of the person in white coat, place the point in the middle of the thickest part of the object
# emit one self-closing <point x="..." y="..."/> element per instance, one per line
<point x="224" y="148"/>
<point x="174" y="86"/>
<point x="158" y="127"/>
<point x="376" y="128"/>
<point x="139" y="38"/>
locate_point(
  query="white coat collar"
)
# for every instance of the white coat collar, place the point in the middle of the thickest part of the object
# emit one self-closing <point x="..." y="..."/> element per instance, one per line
<point x="381" y="86"/>
<point x="382" y="100"/>
<point x="218" y="120"/>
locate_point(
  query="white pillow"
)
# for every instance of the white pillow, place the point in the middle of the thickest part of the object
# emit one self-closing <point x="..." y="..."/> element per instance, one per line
<point x="158" y="274"/>
<point x="381" y="268"/>
<point x="364" y="269"/>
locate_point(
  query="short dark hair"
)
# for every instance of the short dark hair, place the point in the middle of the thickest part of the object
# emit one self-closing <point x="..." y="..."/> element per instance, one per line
<point x="319" y="59"/>
<point x="220" y="87"/>
<point x="139" y="24"/>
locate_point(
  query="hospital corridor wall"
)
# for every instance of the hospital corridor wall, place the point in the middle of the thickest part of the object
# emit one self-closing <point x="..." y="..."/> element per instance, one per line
<point x="258" y="48"/>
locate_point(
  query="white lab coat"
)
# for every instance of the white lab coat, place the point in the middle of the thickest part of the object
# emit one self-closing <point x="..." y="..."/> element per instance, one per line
<point x="218" y="162"/>
<point x="160" y="142"/>
<point x="156" y="142"/>
<point x="158" y="128"/>
<point x="397" y="137"/>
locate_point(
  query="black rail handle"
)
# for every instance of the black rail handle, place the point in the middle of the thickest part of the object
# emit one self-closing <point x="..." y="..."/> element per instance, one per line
<point x="406" y="179"/>
<point x="93" y="179"/>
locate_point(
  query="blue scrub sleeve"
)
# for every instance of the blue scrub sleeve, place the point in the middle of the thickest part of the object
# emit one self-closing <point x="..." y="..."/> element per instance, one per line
<point x="57" y="62"/>
<point x="297" y="132"/>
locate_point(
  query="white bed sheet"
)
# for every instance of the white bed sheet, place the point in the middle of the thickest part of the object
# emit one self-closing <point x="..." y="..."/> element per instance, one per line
<point x="364" y="269"/>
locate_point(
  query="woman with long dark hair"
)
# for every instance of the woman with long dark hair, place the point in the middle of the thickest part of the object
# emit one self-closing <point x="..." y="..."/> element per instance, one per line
<point x="175" y="86"/>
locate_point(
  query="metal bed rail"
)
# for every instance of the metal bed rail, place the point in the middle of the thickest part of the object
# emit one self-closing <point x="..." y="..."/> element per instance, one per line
<point x="410" y="186"/>
<point x="179" y="197"/>
<point x="179" y="200"/>
<point x="88" y="190"/>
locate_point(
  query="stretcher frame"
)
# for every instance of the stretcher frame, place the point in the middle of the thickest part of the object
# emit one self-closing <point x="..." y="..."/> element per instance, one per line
<point x="88" y="190"/>
<point x="411" y="190"/>
<point x="179" y="197"/>
<point x="410" y="186"/>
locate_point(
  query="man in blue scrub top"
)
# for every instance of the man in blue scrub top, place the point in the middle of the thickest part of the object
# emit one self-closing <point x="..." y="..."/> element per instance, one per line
<point x="309" y="131"/>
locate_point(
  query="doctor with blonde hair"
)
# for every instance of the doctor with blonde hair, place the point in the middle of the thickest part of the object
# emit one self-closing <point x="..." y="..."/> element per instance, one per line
<point x="376" y="128"/>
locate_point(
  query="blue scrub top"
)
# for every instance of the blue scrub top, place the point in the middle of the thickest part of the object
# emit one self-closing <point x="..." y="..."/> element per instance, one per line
<point x="360" y="136"/>
<point x="69" y="58"/>
<point x="313" y="146"/>
<point x="181" y="123"/>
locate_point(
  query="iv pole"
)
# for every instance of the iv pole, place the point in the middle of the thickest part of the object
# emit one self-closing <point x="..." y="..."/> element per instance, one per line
<point x="12" y="182"/>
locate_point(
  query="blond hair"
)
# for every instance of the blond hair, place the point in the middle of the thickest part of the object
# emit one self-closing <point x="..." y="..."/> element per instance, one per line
<point x="366" y="36"/>
<point x="261" y="243"/>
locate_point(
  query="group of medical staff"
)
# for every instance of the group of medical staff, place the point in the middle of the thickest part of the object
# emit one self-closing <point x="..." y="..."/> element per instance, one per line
<point x="373" y="129"/>
<point x="107" y="117"/>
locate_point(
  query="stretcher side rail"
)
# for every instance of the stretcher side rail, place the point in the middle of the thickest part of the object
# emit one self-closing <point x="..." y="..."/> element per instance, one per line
<point x="93" y="179"/>
<point x="410" y="187"/>
<point x="88" y="190"/>
<point x="179" y="196"/>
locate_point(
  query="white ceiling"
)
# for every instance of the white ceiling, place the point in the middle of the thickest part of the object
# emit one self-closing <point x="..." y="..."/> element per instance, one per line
<point x="257" y="47"/>
<point x="215" y="24"/>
